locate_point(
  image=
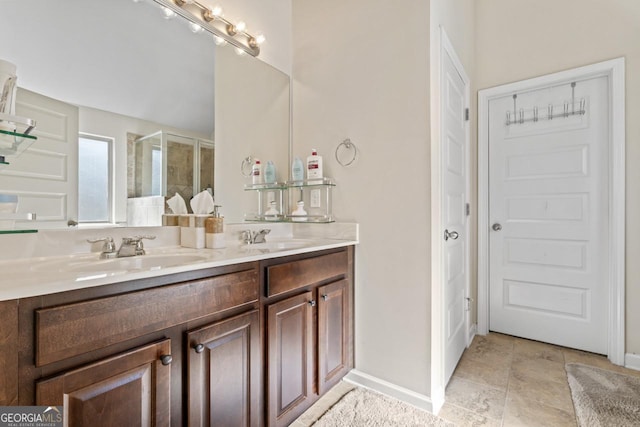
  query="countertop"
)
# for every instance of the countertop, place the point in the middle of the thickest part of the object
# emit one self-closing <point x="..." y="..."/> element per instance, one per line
<point x="37" y="276"/>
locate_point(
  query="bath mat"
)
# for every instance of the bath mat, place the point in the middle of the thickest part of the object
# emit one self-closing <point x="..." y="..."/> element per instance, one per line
<point x="361" y="407"/>
<point x="603" y="398"/>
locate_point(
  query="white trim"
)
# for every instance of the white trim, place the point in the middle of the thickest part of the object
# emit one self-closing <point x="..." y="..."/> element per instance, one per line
<point x="614" y="70"/>
<point x="473" y="330"/>
<point x="632" y="361"/>
<point x="389" y="389"/>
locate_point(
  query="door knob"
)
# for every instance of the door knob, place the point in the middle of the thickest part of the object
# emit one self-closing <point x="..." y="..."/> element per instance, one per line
<point x="453" y="235"/>
<point x="199" y="348"/>
<point x="496" y="227"/>
<point x="166" y="359"/>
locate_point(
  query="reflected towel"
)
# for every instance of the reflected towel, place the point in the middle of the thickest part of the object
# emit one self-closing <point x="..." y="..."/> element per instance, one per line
<point x="202" y="203"/>
<point x="177" y="205"/>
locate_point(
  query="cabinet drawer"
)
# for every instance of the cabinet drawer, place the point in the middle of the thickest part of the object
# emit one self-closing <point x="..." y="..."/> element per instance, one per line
<point x="69" y="330"/>
<point x="297" y="274"/>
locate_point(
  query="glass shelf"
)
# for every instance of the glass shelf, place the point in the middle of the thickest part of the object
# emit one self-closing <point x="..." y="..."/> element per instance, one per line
<point x="283" y="197"/>
<point x="12" y="144"/>
<point x="265" y="187"/>
<point x="311" y="183"/>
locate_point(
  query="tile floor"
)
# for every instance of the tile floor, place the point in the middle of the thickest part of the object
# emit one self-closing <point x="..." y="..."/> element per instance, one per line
<point x="501" y="381"/>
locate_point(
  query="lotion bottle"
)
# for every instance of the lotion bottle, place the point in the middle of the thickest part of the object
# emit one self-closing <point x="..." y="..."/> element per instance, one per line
<point x="256" y="172"/>
<point x="314" y="166"/>
<point x="299" y="214"/>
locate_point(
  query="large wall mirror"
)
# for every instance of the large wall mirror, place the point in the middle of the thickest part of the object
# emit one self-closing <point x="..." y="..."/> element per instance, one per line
<point x="178" y="113"/>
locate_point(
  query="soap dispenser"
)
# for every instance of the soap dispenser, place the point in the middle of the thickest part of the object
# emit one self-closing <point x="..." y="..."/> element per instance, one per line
<point x="214" y="227"/>
<point x="299" y="214"/>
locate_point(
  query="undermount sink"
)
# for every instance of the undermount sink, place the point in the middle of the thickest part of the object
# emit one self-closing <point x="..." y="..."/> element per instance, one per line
<point x="141" y="262"/>
<point x="281" y="245"/>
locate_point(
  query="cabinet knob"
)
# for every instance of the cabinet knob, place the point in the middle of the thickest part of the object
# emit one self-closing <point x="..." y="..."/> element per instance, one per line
<point x="166" y="359"/>
<point x="312" y="303"/>
<point x="325" y="297"/>
<point x="199" y="348"/>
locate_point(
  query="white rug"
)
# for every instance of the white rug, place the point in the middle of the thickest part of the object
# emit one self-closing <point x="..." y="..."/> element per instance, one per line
<point x="361" y="407"/>
<point x="603" y="398"/>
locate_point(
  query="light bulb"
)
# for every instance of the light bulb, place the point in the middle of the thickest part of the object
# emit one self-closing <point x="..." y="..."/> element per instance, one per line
<point x="195" y="28"/>
<point x="260" y="38"/>
<point x="241" y="26"/>
<point x="168" y="13"/>
<point x="216" y="10"/>
<point x="219" y="41"/>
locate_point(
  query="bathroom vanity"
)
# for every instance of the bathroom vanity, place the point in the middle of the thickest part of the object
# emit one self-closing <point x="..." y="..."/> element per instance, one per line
<point x="251" y="341"/>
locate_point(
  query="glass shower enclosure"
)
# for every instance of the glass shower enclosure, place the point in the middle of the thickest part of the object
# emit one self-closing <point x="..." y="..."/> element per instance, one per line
<point x="167" y="163"/>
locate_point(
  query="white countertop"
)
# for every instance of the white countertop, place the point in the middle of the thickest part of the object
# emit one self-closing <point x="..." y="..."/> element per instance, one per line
<point x="23" y="278"/>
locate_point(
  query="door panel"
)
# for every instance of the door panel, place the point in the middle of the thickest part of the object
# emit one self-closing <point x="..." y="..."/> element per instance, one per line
<point x="454" y="216"/>
<point x="50" y="164"/>
<point x="548" y="188"/>
<point x="131" y="389"/>
<point x="224" y="367"/>
<point x="333" y="334"/>
<point x="291" y="359"/>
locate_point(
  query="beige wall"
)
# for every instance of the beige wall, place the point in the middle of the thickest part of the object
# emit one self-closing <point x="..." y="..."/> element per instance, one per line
<point x="252" y="119"/>
<point x="518" y="39"/>
<point x="358" y="75"/>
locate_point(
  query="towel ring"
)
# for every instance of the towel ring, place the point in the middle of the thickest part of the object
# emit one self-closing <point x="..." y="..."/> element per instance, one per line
<point x="246" y="163"/>
<point x="348" y="146"/>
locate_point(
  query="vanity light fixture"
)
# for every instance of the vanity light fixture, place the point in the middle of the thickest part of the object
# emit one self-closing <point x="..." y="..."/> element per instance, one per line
<point x="168" y="13"/>
<point x="211" y="20"/>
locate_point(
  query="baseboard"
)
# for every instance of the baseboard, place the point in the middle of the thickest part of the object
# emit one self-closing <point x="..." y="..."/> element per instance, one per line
<point x="632" y="361"/>
<point x="384" y="387"/>
<point x="473" y="330"/>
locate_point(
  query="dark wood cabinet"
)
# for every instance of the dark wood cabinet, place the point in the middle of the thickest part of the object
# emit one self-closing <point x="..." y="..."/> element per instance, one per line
<point x="334" y="313"/>
<point x="129" y="389"/>
<point x="251" y="344"/>
<point x="290" y="358"/>
<point x="224" y="370"/>
<point x="309" y="331"/>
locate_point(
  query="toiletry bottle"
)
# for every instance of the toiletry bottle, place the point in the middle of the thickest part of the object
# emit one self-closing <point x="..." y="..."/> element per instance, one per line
<point x="314" y="165"/>
<point x="256" y="172"/>
<point x="270" y="173"/>
<point x="215" y="230"/>
<point x="272" y="213"/>
<point x="299" y="214"/>
<point x="297" y="170"/>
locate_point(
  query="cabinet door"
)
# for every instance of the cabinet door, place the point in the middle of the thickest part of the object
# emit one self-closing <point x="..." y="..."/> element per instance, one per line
<point x="333" y="334"/>
<point x="290" y="342"/>
<point x="130" y="389"/>
<point x="225" y="365"/>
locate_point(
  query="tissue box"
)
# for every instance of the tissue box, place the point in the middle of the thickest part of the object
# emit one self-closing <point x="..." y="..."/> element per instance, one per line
<point x="192" y="234"/>
<point x="170" y="219"/>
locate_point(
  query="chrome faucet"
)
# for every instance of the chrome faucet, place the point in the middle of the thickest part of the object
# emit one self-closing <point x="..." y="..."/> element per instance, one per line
<point x="108" y="248"/>
<point x="132" y="246"/>
<point x="250" y="237"/>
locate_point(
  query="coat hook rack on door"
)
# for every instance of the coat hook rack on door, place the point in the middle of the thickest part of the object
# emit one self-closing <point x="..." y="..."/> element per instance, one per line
<point x="521" y="116"/>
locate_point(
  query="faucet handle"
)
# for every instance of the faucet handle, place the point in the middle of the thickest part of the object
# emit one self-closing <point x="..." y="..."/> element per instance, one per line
<point x="109" y="246"/>
<point x="148" y="237"/>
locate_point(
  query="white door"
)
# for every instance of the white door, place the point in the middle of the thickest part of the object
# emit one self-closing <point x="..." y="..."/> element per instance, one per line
<point x="548" y="212"/>
<point x="454" y="215"/>
<point x="45" y="176"/>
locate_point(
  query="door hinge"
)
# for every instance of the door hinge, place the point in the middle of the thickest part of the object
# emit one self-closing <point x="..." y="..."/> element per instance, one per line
<point x="469" y="300"/>
<point x="467" y="209"/>
<point x="466" y="114"/>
